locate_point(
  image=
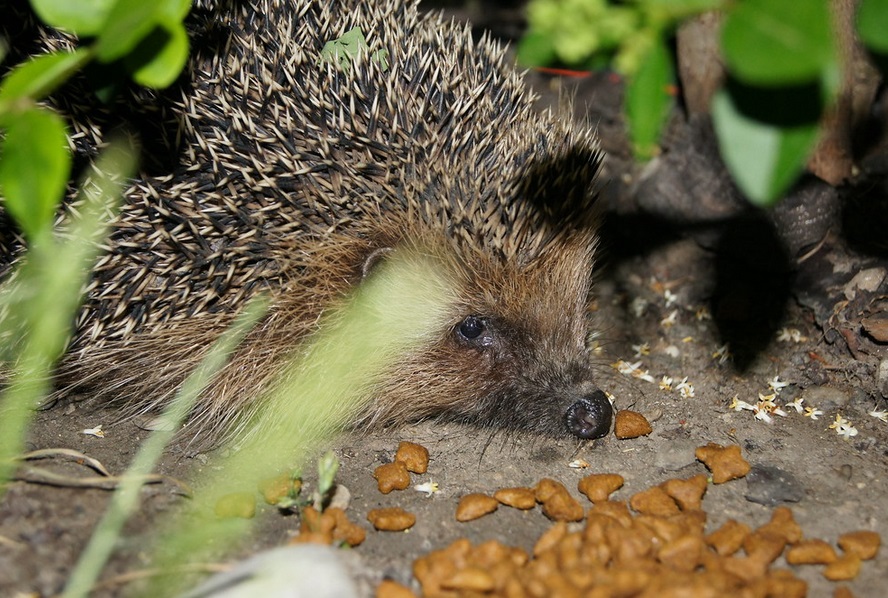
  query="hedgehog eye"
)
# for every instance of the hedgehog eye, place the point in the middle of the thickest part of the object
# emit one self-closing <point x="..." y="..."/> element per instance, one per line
<point x="471" y="327"/>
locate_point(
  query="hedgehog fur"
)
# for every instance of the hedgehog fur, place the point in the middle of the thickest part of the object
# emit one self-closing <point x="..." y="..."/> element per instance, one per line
<point x="292" y="176"/>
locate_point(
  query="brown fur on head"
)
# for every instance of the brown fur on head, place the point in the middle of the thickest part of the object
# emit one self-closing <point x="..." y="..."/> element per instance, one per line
<point x="514" y="355"/>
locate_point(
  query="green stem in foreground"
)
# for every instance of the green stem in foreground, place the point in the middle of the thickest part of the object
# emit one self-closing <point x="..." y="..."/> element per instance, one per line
<point x="322" y="388"/>
<point x="126" y="497"/>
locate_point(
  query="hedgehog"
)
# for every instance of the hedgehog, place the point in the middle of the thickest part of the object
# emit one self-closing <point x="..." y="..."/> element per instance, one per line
<point x="294" y="177"/>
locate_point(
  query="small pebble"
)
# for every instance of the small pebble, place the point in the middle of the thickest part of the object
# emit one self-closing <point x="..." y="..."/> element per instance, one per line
<point x="770" y="486"/>
<point x="677" y="455"/>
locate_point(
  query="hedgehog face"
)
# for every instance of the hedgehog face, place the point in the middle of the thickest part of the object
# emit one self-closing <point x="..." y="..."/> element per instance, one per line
<point x="536" y="383"/>
<point x="513" y="355"/>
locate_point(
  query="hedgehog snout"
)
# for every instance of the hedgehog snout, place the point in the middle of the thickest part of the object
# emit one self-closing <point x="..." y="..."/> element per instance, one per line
<point x="590" y="417"/>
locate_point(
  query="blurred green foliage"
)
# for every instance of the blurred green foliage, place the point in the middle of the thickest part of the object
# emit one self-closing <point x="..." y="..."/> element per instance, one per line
<point x="776" y="52"/>
<point x="39" y="299"/>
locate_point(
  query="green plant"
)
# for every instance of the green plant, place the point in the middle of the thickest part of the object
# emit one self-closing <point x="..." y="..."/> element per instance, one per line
<point x="39" y="299"/>
<point x="782" y="61"/>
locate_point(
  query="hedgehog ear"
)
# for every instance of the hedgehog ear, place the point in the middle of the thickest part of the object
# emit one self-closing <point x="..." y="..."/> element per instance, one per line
<point x="373" y="259"/>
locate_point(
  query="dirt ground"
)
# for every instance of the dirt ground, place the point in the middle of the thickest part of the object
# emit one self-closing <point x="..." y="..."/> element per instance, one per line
<point x="670" y="296"/>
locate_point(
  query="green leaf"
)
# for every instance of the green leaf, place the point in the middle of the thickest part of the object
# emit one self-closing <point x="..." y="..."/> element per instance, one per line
<point x="775" y="42"/>
<point x="128" y="23"/>
<point x="41" y="75"/>
<point x="328" y="465"/>
<point x="82" y="17"/>
<point x="165" y="51"/>
<point x="764" y="159"/>
<point x="648" y="100"/>
<point x="343" y="51"/>
<point x="535" y="49"/>
<point x="34" y="168"/>
<point x="175" y="10"/>
<point x="872" y="24"/>
<point x="681" y="9"/>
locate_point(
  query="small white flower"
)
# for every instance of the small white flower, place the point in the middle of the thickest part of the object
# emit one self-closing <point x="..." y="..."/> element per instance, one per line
<point x="776" y="384"/>
<point x="627" y="368"/>
<point x="610" y="397"/>
<point x="98" y="432"/>
<point x="846" y="431"/>
<point x="703" y="314"/>
<point x="839" y="422"/>
<point x="429" y="488"/>
<point x="578" y="464"/>
<point x="813" y="412"/>
<point x="722" y="354"/>
<point x="644" y="376"/>
<point x="642" y="349"/>
<point x="665" y="383"/>
<point x="882" y="415"/>
<point x="762" y="414"/>
<point x="738" y="405"/>
<point x="790" y="335"/>
<point x="778" y="411"/>
<point x="767" y="401"/>
<point x="686" y="389"/>
<point x="670" y="297"/>
<point x="669" y="321"/>
<point x="796" y="404"/>
<point x="638" y="306"/>
<point x="672" y="351"/>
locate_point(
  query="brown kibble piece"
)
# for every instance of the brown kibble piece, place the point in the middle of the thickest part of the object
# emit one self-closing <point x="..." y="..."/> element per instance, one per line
<point x="746" y="568"/>
<point x="469" y="579"/>
<point x="393" y="519"/>
<point x="631" y="424"/>
<point x="844" y="568"/>
<point x="654" y="501"/>
<point x="392" y="589"/>
<point x="666" y="529"/>
<point x="518" y="498"/>
<point x="811" y="552"/>
<point x="315" y="527"/>
<point x="687" y="493"/>
<point x="682" y="554"/>
<point x="784" y="583"/>
<point x="344" y="529"/>
<point x="546" y="487"/>
<point x="630" y="545"/>
<point x="863" y="543"/>
<point x="392" y="476"/>
<point x="236" y="504"/>
<point x="551" y="537"/>
<point x="313" y="538"/>
<point x="783" y="523"/>
<point x="473" y="506"/>
<point x="414" y="456"/>
<point x="616" y="509"/>
<point x="764" y="546"/>
<point x="314" y="521"/>
<point x="599" y="486"/>
<point x="725" y="462"/>
<point x="276" y="489"/>
<point x="561" y="506"/>
<point x="728" y="539"/>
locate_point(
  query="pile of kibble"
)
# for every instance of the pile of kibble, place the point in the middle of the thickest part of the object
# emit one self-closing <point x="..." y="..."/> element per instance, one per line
<point x="653" y="545"/>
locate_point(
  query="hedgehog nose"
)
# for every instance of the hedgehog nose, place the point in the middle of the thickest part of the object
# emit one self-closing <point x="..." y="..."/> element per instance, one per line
<point x="590" y="417"/>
